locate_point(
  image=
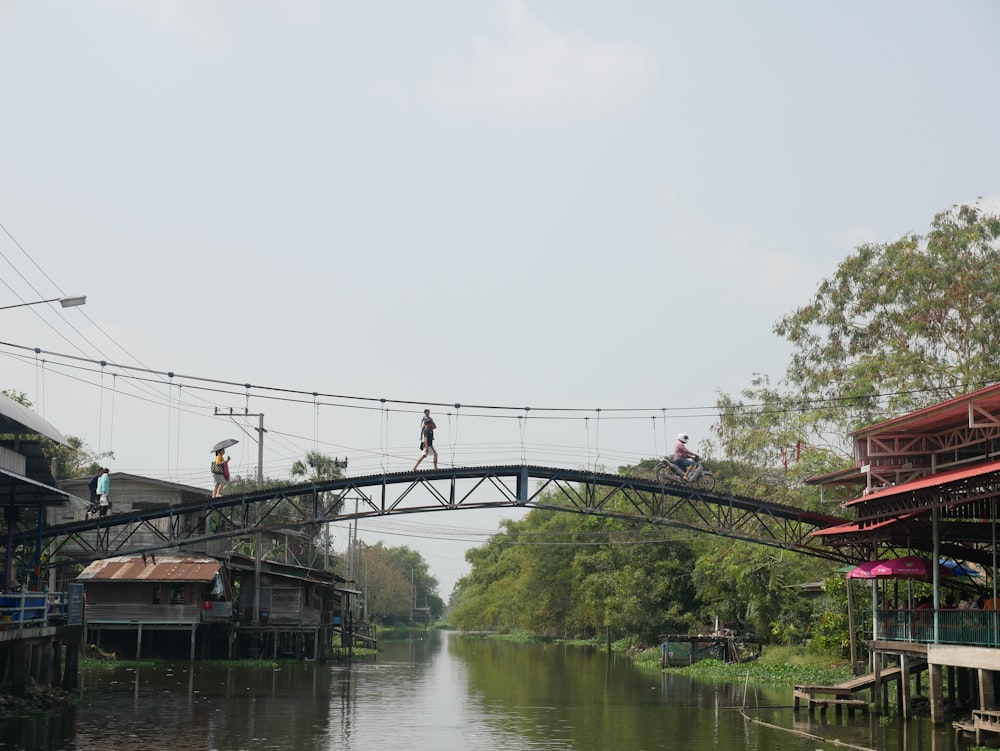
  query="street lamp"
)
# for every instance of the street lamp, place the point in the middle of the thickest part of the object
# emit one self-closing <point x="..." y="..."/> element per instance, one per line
<point x="67" y="302"/>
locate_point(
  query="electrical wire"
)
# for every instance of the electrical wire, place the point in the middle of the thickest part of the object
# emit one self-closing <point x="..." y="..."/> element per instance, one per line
<point x="538" y="413"/>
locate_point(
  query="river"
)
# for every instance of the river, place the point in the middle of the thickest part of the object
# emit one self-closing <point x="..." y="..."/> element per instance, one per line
<point x="445" y="692"/>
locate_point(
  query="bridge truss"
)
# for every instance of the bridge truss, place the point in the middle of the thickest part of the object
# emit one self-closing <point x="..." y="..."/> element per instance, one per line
<point x="635" y="499"/>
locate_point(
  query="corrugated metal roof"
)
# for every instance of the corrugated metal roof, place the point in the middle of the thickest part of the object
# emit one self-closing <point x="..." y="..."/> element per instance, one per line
<point x="927" y="481"/>
<point x="858" y="526"/>
<point x="952" y="413"/>
<point x="187" y="492"/>
<point x="158" y="568"/>
<point x="16" y="418"/>
<point x="24" y="491"/>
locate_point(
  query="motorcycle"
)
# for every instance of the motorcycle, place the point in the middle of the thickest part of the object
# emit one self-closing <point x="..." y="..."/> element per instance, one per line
<point x="699" y="476"/>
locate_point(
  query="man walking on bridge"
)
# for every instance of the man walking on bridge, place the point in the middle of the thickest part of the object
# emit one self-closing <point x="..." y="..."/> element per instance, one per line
<point x="427" y="439"/>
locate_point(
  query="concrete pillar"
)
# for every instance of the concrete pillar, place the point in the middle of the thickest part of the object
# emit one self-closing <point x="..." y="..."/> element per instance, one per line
<point x="904" y="686"/>
<point x="19" y="670"/>
<point x="935" y="680"/>
<point x="987" y="700"/>
<point x="71" y="674"/>
<point x="138" y="642"/>
<point x="952" y="696"/>
<point x="46" y="670"/>
<point x="877" y="684"/>
<point x="194" y="632"/>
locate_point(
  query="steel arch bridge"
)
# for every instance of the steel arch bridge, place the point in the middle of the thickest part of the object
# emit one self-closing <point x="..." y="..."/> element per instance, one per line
<point x="636" y="499"/>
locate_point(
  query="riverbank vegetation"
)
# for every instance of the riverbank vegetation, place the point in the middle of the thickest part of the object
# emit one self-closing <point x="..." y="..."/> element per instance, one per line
<point x="784" y="666"/>
<point x="569" y="576"/>
<point x="897" y="327"/>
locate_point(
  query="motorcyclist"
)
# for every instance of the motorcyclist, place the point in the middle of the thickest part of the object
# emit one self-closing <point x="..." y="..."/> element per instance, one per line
<point x="684" y="457"/>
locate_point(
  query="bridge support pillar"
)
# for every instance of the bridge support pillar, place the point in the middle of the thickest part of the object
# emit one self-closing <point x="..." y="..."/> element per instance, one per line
<point x="904" y="686"/>
<point x="987" y="697"/>
<point x="522" y="485"/>
<point x="935" y="689"/>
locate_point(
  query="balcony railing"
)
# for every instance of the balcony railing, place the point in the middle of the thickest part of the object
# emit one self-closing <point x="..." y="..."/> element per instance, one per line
<point x="32" y="609"/>
<point x="979" y="628"/>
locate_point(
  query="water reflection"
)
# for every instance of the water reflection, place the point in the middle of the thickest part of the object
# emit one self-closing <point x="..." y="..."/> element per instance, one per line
<point x="442" y="693"/>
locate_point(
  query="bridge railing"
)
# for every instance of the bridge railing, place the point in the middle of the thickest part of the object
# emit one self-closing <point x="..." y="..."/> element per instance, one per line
<point x="979" y="628"/>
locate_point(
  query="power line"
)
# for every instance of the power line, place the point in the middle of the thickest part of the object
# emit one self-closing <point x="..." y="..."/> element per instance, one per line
<point x="516" y="412"/>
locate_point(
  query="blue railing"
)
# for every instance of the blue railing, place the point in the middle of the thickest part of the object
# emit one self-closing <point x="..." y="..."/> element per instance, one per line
<point x="32" y="609"/>
<point x="970" y="627"/>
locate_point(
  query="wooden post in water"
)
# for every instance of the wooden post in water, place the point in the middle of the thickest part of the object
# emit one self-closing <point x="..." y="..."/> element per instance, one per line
<point x="850" y="626"/>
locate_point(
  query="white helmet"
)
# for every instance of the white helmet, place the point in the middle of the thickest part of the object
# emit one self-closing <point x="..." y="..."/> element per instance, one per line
<point x="683" y="437"/>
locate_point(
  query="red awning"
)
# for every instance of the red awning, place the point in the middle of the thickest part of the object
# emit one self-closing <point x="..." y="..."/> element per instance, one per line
<point x="929" y="481"/>
<point x="860" y="526"/>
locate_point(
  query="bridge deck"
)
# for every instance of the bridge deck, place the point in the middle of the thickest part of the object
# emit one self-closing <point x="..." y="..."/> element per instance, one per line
<point x="525" y="486"/>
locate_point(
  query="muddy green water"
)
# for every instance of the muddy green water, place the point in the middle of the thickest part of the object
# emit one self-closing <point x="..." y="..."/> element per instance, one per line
<point x="445" y="692"/>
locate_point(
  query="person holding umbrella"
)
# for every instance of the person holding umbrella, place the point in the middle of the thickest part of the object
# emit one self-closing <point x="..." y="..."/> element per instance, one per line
<point x="220" y="465"/>
<point x="220" y="470"/>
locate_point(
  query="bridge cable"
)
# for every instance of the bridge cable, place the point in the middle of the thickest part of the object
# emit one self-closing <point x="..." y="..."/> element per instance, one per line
<point x="111" y="428"/>
<point x="597" y="440"/>
<point x="315" y="422"/>
<point x="656" y="444"/>
<point x="100" y="414"/>
<point x="177" y="451"/>
<point x="586" y="430"/>
<point x="453" y="437"/>
<point x="170" y="474"/>
<point x="666" y="440"/>
<point x="523" y="423"/>
<point x="244" y="456"/>
<point x="383" y="429"/>
<point x="40" y="376"/>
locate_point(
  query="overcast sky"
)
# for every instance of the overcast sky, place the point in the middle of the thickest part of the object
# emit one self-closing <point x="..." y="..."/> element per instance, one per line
<point x="580" y="208"/>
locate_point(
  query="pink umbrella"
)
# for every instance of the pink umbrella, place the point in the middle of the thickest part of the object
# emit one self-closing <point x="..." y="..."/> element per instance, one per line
<point x="864" y="571"/>
<point x="910" y="567"/>
<point x="907" y="567"/>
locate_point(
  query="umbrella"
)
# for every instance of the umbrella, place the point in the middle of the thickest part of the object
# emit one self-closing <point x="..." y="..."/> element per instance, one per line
<point x="224" y="444"/>
<point x="864" y="571"/>
<point x="960" y="569"/>
<point x="907" y="567"/>
<point x="910" y="567"/>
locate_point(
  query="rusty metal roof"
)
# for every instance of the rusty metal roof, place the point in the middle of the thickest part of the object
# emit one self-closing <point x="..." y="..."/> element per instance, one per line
<point x="947" y="415"/>
<point x="927" y="481"/>
<point x="160" y="568"/>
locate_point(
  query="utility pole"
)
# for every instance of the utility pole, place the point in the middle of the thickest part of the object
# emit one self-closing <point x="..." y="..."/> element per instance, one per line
<point x="260" y="486"/>
<point x="260" y="439"/>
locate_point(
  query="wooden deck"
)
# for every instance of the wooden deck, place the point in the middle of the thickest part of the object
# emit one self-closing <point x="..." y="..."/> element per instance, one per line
<point x="983" y="721"/>
<point x="823" y="697"/>
<point x="843" y="694"/>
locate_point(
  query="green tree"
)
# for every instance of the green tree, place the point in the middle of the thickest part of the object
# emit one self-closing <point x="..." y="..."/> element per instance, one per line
<point x="912" y="321"/>
<point x="751" y="587"/>
<point x="397" y="585"/>
<point x="573" y="575"/>
<point x="316" y="467"/>
<point x="771" y="445"/>
<point x="638" y="584"/>
<point x="899" y="325"/>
